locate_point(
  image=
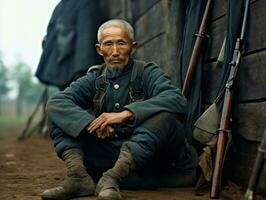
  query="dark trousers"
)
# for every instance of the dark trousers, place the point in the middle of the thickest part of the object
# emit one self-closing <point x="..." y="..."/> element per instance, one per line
<point x="157" y="145"/>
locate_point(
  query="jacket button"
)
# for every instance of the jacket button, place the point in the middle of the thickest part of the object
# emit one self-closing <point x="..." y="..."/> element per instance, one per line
<point x="116" y="86"/>
<point x="117" y="105"/>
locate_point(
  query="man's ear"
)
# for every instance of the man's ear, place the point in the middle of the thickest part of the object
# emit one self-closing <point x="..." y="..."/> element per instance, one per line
<point x="134" y="47"/>
<point x="98" y="49"/>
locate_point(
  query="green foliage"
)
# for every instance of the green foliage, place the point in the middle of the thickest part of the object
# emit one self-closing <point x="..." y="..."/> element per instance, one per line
<point x="3" y="79"/>
<point x="28" y="90"/>
<point x="19" y="80"/>
<point x="3" y="82"/>
<point x="22" y="75"/>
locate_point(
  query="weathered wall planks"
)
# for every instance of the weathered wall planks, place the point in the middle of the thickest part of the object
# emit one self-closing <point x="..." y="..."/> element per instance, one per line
<point x="255" y="35"/>
<point x="219" y="9"/>
<point x="111" y="9"/>
<point x="152" y="52"/>
<point x="252" y="79"/>
<point x="139" y="7"/>
<point x="145" y="27"/>
<point x="251" y="124"/>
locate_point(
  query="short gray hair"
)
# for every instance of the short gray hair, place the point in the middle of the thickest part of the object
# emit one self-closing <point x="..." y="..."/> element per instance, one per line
<point x="116" y="23"/>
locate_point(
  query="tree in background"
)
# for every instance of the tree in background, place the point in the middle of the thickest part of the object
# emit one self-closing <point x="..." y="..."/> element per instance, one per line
<point x="28" y="91"/>
<point x="3" y="82"/>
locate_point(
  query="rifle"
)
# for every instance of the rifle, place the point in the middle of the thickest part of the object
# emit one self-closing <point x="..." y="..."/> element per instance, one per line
<point x="196" y="50"/>
<point x="256" y="171"/>
<point x="223" y="130"/>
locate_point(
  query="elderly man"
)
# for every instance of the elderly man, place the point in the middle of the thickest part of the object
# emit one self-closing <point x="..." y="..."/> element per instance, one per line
<point x="117" y="125"/>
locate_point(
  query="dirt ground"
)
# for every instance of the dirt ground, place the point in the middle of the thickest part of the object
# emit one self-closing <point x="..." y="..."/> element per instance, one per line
<point x="30" y="166"/>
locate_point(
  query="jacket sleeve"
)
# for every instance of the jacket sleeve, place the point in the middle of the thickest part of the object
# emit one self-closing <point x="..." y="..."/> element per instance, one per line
<point x="68" y="109"/>
<point x="161" y="96"/>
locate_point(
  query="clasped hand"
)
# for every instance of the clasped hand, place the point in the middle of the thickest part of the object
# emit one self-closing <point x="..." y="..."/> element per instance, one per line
<point x="102" y="125"/>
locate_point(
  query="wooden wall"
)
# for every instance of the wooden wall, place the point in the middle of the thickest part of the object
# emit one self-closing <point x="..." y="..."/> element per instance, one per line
<point x="158" y="24"/>
<point x="251" y="95"/>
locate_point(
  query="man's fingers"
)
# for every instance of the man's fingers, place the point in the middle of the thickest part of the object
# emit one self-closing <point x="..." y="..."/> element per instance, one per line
<point x="91" y="128"/>
<point x="103" y="125"/>
<point x="110" y="131"/>
<point x="97" y="120"/>
<point x="100" y="134"/>
<point x="94" y="125"/>
<point x="106" y="133"/>
<point x="100" y="124"/>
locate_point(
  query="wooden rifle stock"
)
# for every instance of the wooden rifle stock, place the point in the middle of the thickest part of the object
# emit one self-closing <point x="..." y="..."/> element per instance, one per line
<point x="222" y="133"/>
<point x="221" y="143"/>
<point x="196" y="50"/>
<point x="256" y="171"/>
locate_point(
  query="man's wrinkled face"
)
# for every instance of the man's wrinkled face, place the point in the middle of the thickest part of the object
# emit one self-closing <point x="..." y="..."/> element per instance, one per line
<point x="116" y="47"/>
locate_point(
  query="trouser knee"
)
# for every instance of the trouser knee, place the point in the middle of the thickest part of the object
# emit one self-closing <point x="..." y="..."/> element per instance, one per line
<point x="165" y="126"/>
<point x="161" y="135"/>
<point x="62" y="141"/>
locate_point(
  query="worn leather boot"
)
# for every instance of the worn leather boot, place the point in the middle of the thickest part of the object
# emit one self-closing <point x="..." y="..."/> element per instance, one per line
<point x="77" y="182"/>
<point x="108" y="186"/>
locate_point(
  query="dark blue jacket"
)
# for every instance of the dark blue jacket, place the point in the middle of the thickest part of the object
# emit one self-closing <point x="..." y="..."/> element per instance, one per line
<point x="68" y="109"/>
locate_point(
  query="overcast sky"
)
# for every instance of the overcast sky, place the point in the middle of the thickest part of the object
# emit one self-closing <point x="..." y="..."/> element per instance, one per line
<point x="22" y="26"/>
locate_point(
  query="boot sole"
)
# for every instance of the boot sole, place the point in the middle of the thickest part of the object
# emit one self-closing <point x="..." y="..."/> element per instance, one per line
<point x="69" y="197"/>
<point x="107" y="198"/>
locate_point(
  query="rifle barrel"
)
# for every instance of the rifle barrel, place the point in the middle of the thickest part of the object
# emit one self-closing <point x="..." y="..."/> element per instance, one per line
<point x="196" y="50"/>
<point x="244" y="24"/>
<point x="226" y="112"/>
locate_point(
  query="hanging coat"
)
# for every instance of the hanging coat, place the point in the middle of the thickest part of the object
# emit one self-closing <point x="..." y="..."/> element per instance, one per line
<point x="69" y="46"/>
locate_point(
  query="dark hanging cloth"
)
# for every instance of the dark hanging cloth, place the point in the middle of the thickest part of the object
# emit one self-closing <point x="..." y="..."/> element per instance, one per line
<point x="208" y="123"/>
<point x="69" y="46"/>
<point x="194" y="13"/>
<point x="234" y="16"/>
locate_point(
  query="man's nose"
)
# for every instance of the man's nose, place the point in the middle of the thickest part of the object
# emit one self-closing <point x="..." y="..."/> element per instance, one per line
<point x="115" y="51"/>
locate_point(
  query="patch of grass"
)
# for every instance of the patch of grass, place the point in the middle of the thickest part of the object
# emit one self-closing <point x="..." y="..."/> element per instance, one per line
<point x="9" y="120"/>
<point x="12" y="125"/>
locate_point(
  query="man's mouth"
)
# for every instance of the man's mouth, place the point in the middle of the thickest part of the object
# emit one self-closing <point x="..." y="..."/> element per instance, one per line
<point x="116" y="61"/>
